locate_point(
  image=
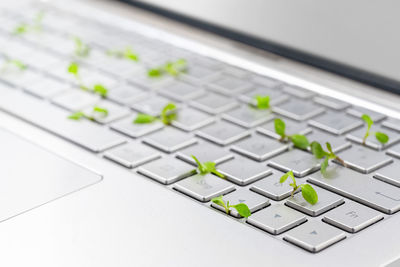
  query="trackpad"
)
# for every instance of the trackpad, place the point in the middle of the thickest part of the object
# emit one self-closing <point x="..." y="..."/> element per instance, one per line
<point x="31" y="176"/>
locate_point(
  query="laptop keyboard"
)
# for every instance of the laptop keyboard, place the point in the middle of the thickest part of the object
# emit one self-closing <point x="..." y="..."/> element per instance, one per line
<point x="214" y="122"/>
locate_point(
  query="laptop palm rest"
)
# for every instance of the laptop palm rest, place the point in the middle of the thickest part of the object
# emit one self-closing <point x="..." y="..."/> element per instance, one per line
<point x="31" y="176"/>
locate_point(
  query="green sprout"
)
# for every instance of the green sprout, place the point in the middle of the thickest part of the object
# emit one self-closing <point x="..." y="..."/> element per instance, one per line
<point x="168" y="114"/>
<point x="92" y="116"/>
<point x="81" y="49"/>
<point x="298" y="140"/>
<point x="241" y="208"/>
<point x="171" y="68"/>
<point x="36" y="25"/>
<point x="13" y="62"/>
<point x="99" y="89"/>
<point x="263" y="102"/>
<point x="207" y="167"/>
<point x="307" y="191"/>
<point x="381" y="137"/>
<point x="320" y="153"/>
<point x="127" y="53"/>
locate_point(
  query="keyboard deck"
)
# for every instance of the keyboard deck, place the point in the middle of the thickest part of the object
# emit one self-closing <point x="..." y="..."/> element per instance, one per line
<point x="215" y="123"/>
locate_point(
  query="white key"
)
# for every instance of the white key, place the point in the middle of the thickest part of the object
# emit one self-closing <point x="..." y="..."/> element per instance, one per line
<point x="292" y="127"/>
<point x="75" y="100"/>
<point x="338" y="143"/>
<point x="297" y="91"/>
<point x="191" y="119"/>
<point x="390" y="174"/>
<point x="152" y="106"/>
<point x="115" y="112"/>
<point x="335" y="123"/>
<point x="222" y="133"/>
<point x="392" y="124"/>
<point x="359" y="111"/>
<point x="47" y="88"/>
<point x="331" y="102"/>
<point x="298" y="110"/>
<point x="358" y="136"/>
<point x="214" y="103"/>
<point x="394" y="151"/>
<point x="272" y="188"/>
<point x="228" y="84"/>
<point x="247" y="116"/>
<point x="170" y="140"/>
<point x="204" y="152"/>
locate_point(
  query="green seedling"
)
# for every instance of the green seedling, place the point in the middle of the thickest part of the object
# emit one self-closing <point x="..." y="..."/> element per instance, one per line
<point x="307" y="191"/>
<point x="92" y="116"/>
<point x="298" y="140"/>
<point x="170" y="68"/>
<point x="320" y="153"/>
<point x="381" y="137"/>
<point x="81" y="49"/>
<point x="263" y="102"/>
<point x="207" y="167"/>
<point x="99" y="89"/>
<point x="241" y="208"/>
<point x="168" y="114"/>
<point x="35" y="26"/>
<point x="127" y="53"/>
<point x="8" y="62"/>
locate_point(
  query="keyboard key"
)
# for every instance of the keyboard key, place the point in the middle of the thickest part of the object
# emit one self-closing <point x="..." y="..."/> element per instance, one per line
<point x="297" y="91"/>
<point x="75" y="100"/>
<point x="189" y="119"/>
<point x="358" y="136"/>
<point x="390" y="174"/>
<point x="359" y="111"/>
<point x="135" y="130"/>
<point x="47" y="88"/>
<point x="228" y="84"/>
<point x="394" y="151"/>
<point x="222" y="133"/>
<point x="392" y="124"/>
<point x="265" y="81"/>
<point x="276" y="219"/>
<point x="132" y="155"/>
<point x="326" y="201"/>
<point x="127" y="94"/>
<point x="292" y="127"/>
<point x="180" y="91"/>
<point x="300" y="162"/>
<point x="204" y="187"/>
<point x="247" y="116"/>
<point x="352" y="217"/>
<point x="272" y="188"/>
<point x="234" y="171"/>
<point x="335" y="123"/>
<point x="338" y="143"/>
<point x="364" y="160"/>
<point x="298" y="110"/>
<point x="167" y="170"/>
<point x="152" y="105"/>
<point x="314" y="236"/>
<point x="204" y="152"/>
<point x="259" y="148"/>
<point x="359" y="187"/>
<point x="84" y="133"/>
<point x="331" y="103"/>
<point x="214" y="103"/>
<point x="115" y="112"/>
<point x="253" y="201"/>
<point x="275" y="94"/>
<point x="170" y="140"/>
<point x="197" y="74"/>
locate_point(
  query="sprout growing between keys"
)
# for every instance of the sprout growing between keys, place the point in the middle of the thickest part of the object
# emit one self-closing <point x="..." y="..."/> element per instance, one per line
<point x="168" y="114"/>
<point x="8" y="62"/>
<point x="100" y="89"/>
<point x="127" y="53"/>
<point x="320" y="153"/>
<point x="298" y="140"/>
<point x="207" y="167"/>
<point x="81" y="49"/>
<point x="241" y="208"/>
<point x="263" y="102"/>
<point x="171" y="68"/>
<point x="92" y="116"/>
<point x="36" y="25"/>
<point x="381" y="137"/>
<point x="307" y="191"/>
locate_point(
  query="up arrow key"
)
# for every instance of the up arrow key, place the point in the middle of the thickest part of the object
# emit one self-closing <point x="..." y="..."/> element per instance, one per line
<point x="314" y="233"/>
<point x="242" y="200"/>
<point x="277" y="216"/>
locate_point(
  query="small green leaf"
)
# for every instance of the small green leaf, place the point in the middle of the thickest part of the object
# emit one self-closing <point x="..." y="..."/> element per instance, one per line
<point x="73" y="68"/>
<point x="76" y="116"/>
<point x="262" y="102"/>
<point x="220" y="201"/>
<point x="21" y="29"/>
<point x="329" y="147"/>
<point x="81" y="49"/>
<point x="285" y="176"/>
<point x="300" y="141"/>
<point x="130" y="55"/>
<point x="324" y="165"/>
<point x="382" y="137"/>
<point x="100" y="89"/>
<point x="317" y="150"/>
<point x="242" y="209"/>
<point x="154" y="73"/>
<point x="309" y="194"/>
<point x="280" y="127"/>
<point x="144" y="118"/>
<point x="100" y="110"/>
<point x="168" y="113"/>
<point x="367" y="120"/>
<point x="207" y="167"/>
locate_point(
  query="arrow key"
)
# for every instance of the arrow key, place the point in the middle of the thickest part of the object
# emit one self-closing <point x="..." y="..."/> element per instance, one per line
<point x="276" y="219"/>
<point x="314" y="236"/>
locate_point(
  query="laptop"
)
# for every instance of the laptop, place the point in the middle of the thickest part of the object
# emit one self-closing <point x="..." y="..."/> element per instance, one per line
<point x="199" y="133"/>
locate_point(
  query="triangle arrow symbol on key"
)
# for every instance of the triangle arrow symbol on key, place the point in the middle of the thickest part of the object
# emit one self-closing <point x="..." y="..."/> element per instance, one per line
<point x="241" y="200"/>
<point x="277" y="216"/>
<point x="314" y="233"/>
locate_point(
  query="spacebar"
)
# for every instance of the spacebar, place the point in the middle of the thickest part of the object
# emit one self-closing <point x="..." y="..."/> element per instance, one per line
<point x="359" y="187"/>
<point x="51" y="118"/>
